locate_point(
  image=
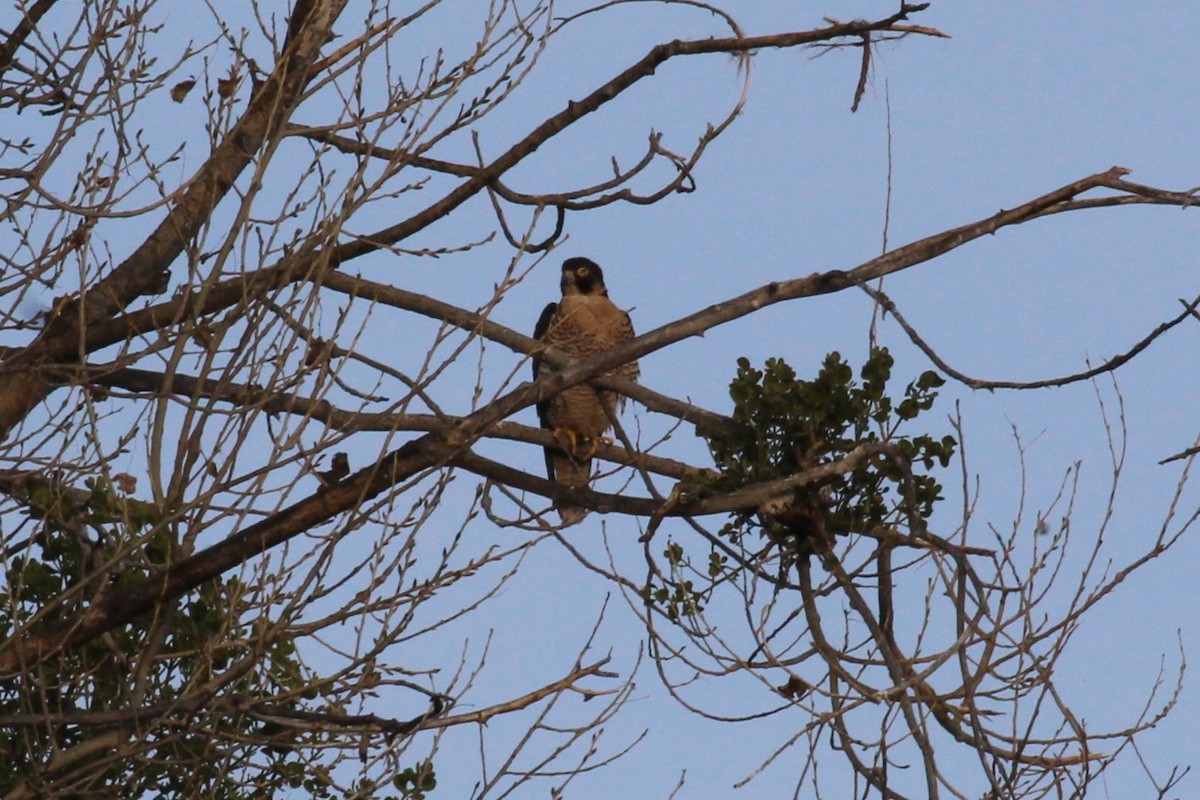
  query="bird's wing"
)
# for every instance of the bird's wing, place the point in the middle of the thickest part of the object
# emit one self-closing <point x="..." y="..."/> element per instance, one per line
<point x="539" y="333"/>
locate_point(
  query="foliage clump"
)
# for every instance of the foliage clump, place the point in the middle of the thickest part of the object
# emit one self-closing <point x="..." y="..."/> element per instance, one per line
<point x="95" y="542"/>
<point x="785" y="425"/>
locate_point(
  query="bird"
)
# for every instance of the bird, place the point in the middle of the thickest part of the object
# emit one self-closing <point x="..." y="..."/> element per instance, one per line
<point x="583" y="322"/>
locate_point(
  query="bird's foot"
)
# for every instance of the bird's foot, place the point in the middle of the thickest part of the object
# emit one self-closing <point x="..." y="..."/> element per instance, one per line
<point x="593" y="444"/>
<point x="572" y="438"/>
<point x="580" y="446"/>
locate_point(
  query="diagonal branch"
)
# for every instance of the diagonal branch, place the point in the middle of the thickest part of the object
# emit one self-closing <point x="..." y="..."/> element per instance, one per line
<point x="439" y="448"/>
<point x="472" y="322"/>
<point x="347" y="422"/>
<point x="268" y="110"/>
<point x="567" y="682"/>
<point x="61" y="339"/>
<point x="577" y="110"/>
<point x="15" y="39"/>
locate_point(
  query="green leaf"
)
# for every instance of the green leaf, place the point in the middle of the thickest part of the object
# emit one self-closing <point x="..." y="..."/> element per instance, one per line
<point x="787" y="424"/>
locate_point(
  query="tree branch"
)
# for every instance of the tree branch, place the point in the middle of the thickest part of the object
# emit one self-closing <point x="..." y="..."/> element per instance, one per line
<point x="268" y="109"/>
<point x="1109" y="365"/>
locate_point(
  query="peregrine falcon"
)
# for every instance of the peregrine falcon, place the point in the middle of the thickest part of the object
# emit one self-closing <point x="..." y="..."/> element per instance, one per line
<point x="584" y="322"/>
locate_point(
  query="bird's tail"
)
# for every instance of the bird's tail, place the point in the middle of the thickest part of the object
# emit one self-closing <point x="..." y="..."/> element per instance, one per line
<point x="577" y="475"/>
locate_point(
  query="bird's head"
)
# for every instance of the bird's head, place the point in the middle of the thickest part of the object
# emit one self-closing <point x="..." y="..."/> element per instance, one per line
<point x="582" y="276"/>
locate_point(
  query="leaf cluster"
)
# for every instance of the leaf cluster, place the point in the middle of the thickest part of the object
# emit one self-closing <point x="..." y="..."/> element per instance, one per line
<point x="92" y="543"/>
<point x="785" y="425"/>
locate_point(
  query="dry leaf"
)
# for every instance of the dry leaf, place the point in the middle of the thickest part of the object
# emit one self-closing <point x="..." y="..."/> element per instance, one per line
<point x="225" y="86"/>
<point x="318" y="352"/>
<point x="795" y="688"/>
<point x="125" y="482"/>
<point x="181" y="89"/>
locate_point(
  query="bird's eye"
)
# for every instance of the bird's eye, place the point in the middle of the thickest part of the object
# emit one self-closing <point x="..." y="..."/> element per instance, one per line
<point x="581" y="271"/>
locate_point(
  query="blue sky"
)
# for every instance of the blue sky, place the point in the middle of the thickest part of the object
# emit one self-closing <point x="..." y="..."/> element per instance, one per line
<point x="1024" y="97"/>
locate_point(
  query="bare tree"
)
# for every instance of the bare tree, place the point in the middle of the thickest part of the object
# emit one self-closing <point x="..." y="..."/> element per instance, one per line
<point x="240" y="554"/>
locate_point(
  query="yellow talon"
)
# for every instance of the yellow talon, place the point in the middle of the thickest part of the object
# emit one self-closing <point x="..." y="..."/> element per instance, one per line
<point x="589" y="450"/>
<point x="580" y="446"/>
<point x="593" y="444"/>
<point x="571" y="437"/>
